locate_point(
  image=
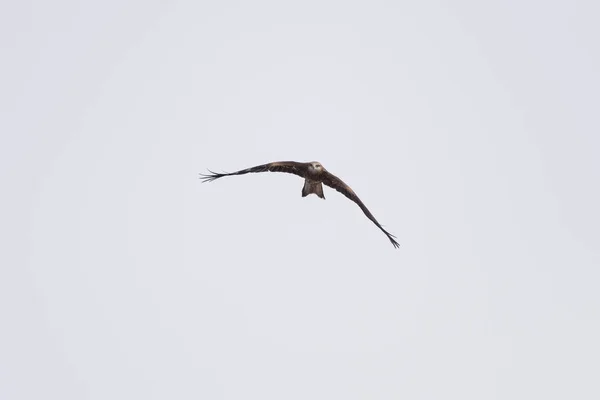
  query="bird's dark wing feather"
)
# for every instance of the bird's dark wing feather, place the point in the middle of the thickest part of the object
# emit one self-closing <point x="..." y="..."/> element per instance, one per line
<point x="290" y="167"/>
<point x="336" y="183"/>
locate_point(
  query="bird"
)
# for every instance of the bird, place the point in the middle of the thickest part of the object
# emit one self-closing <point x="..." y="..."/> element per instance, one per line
<point x="315" y="175"/>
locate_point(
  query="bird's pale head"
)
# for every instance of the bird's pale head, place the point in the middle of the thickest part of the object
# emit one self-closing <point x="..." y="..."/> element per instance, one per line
<point x="316" y="166"/>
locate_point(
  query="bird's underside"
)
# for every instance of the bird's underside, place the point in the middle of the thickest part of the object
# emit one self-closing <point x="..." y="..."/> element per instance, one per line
<point x="314" y="177"/>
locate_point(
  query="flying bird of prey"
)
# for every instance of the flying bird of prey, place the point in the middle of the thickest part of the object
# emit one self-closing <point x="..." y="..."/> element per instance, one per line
<point x="314" y="176"/>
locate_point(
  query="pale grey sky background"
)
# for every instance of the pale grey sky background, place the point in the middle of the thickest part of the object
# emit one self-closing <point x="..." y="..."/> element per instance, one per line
<point x="470" y="129"/>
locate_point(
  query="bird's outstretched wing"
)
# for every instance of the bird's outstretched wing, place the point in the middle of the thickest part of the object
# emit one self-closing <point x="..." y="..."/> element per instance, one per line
<point x="336" y="183"/>
<point x="290" y="167"/>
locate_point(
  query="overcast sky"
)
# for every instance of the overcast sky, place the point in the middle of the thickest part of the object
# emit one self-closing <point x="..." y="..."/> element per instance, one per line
<point x="469" y="129"/>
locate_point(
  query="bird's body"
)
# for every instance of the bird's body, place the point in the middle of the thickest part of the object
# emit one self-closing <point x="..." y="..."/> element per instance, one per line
<point x="314" y="177"/>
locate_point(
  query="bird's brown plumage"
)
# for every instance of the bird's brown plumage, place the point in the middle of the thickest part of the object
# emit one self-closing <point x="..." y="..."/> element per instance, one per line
<point x="290" y="167"/>
<point x="313" y="172"/>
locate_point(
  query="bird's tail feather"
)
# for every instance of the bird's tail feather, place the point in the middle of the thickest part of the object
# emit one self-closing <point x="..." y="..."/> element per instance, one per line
<point x="312" y="187"/>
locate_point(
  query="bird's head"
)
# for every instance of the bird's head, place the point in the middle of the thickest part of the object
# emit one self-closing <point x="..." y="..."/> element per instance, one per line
<point x="316" y="166"/>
